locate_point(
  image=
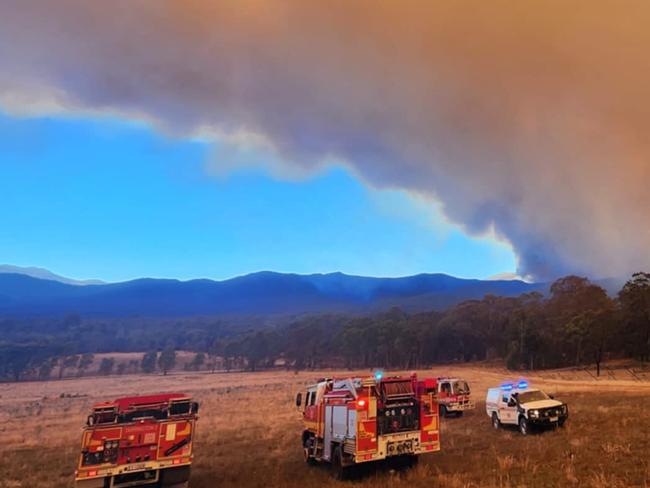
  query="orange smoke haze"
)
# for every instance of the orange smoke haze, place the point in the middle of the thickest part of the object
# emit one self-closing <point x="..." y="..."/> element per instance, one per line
<point x="530" y="118"/>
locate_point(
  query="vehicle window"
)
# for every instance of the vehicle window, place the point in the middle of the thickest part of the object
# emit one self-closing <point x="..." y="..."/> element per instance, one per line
<point x="446" y="388"/>
<point x="461" y="387"/>
<point x="312" y="398"/>
<point x="104" y="418"/>
<point x="179" y="408"/>
<point x="532" y="396"/>
<point x="505" y="399"/>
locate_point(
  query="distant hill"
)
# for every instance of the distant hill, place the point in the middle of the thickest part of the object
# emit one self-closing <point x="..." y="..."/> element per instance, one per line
<point x="44" y="274"/>
<point x="253" y="294"/>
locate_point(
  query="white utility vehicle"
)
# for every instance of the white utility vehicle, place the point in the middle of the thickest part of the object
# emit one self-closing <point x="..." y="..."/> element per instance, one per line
<point x="518" y="404"/>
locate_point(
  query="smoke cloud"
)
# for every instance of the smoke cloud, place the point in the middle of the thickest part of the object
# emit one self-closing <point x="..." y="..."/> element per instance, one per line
<point x="529" y="119"/>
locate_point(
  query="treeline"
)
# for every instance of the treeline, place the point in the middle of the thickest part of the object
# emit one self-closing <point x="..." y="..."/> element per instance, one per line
<point x="87" y="364"/>
<point x="577" y="323"/>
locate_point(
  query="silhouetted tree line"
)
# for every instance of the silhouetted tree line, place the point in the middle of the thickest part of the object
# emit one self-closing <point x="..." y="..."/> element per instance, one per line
<point x="577" y="323"/>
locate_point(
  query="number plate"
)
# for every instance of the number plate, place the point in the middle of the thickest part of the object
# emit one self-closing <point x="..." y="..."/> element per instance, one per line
<point x="553" y="419"/>
<point x="135" y="467"/>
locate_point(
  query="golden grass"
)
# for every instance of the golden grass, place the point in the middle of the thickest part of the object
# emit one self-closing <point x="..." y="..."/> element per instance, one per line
<point x="249" y="434"/>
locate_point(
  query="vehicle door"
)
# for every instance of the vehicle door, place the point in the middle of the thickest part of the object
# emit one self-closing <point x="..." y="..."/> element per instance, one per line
<point x="507" y="409"/>
<point x="445" y="392"/>
<point x="310" y="413"/>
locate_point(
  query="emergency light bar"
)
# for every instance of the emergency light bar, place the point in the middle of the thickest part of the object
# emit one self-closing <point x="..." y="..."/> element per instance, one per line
<point x="522" y="385"/>
<point x="507" y="386"/>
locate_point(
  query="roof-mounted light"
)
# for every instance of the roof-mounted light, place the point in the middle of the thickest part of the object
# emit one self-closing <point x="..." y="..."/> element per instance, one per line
<point x="507" y="386"/>
<point x="379" y="375"/>
<point x="522" y="385"/>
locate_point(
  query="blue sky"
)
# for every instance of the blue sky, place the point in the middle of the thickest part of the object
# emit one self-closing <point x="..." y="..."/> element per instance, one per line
<point x="112" y="199"/>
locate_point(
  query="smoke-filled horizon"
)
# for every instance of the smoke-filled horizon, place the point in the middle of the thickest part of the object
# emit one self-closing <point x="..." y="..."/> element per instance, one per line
<point x="528" y="119"/>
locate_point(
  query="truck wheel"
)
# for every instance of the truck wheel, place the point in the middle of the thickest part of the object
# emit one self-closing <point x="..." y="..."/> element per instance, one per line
<point x="523" y="426"/>
<point x="307" y="449"/>
<point x="443" y="411"/>
<point x="338" y="470"/>
<point x="496" y="423"/>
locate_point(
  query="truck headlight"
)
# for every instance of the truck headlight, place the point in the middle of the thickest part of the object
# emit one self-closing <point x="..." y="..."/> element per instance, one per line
<point x="534" y="413"/>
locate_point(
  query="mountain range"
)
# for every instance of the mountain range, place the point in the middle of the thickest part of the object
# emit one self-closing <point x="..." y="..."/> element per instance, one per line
<point x="44" y="274"/>
<point x="253" y="294"/>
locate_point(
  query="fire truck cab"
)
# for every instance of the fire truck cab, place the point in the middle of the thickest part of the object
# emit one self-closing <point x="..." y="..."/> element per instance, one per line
<point x="356" y="420"/>
<point x="454" y="396"/>
<point x="138" y="441"/>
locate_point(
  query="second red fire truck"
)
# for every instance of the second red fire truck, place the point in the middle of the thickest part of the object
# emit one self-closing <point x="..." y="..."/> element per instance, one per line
<point x="356" y="420"/>
<point x="454" y="396"/>
<point x="138" y="441"/>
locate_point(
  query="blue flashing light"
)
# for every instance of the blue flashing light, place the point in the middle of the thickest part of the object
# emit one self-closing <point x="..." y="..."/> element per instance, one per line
<point x="507" y="386"/>
<point x="379" y="375"/>
<point x="522" y="385"/>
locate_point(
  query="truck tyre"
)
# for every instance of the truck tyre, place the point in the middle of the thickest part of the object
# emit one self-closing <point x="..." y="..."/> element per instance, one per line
<point x="307" y="449"/>
<point x="338" y="470"/>
<point x="443" y="411"/>
<point x="523" y="426"/>
<point x="496" y="423"/>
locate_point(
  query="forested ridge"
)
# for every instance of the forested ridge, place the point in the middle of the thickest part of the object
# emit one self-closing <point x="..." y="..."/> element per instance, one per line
<point x="576" y="324"/>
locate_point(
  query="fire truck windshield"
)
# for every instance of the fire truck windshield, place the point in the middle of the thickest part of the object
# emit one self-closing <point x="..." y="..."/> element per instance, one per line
<point x="461" y="387"/>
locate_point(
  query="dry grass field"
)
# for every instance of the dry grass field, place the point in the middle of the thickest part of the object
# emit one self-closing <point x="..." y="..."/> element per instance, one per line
<point x="249" y="431"/>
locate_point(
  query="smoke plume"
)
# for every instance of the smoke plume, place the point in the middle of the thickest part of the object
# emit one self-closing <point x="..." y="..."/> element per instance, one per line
<point x="529" y="119"/>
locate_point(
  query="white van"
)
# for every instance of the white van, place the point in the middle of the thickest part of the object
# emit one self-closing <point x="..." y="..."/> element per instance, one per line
<point x="517" y="404"/>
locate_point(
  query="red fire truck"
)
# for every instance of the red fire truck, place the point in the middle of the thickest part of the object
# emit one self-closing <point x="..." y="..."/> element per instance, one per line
<point x="454" y="396"/>
<point x="138" y="441"/>
<point x="357" y="420"/>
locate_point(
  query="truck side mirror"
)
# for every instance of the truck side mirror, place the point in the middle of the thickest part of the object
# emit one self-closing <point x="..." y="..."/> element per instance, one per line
<point x="552" y="397"/>
<point x="195" y="407"/>
<point x="298" y="399"/>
